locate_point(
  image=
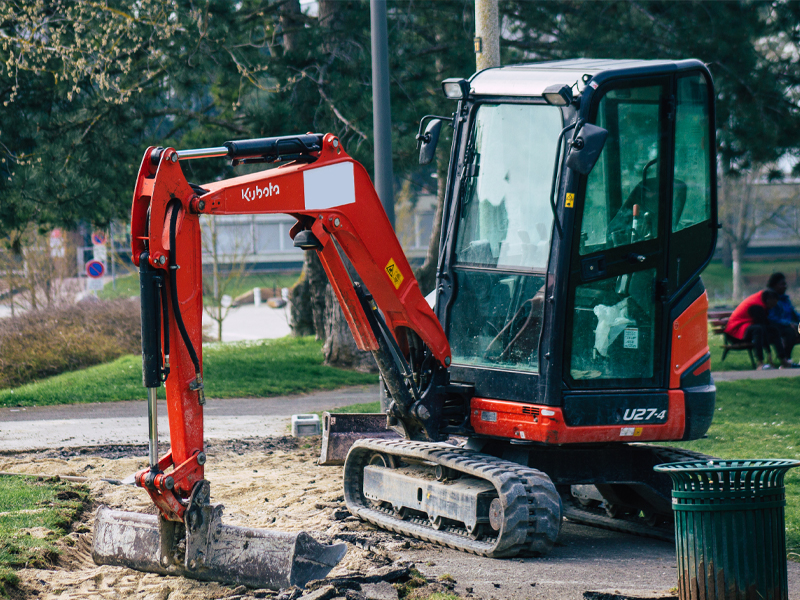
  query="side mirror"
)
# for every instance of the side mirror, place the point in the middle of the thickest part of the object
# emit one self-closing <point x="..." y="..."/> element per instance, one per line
<point x="428" y="140"/>
<point x="585" y="148"/>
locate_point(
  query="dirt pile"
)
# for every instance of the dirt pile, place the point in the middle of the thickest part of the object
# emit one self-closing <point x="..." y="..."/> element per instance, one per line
<point x="272" y="482"/>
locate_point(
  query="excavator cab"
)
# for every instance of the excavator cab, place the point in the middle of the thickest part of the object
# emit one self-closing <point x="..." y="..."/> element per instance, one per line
<point x="562" y="283"/>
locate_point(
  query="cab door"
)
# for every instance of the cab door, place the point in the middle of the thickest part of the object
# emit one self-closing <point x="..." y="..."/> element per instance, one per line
<point x="618" y="278"/>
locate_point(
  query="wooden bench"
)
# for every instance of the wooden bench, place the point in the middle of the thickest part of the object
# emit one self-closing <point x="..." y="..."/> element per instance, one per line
<point x="719" y="320"/>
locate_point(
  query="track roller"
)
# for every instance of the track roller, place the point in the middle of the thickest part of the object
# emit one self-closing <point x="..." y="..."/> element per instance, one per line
<point x="452" y="496"/>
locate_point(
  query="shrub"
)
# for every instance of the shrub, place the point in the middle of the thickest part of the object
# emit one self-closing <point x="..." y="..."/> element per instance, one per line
<point x="47" y="342"/>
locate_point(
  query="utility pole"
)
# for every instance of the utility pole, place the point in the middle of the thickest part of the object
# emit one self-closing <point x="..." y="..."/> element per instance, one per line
<point x="487" y="34"/>
<point x="381" y="108"/>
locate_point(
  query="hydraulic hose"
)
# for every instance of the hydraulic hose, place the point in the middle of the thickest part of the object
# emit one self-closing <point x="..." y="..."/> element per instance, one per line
<point x="165" y="320"/>
<point x="176" y="309"/>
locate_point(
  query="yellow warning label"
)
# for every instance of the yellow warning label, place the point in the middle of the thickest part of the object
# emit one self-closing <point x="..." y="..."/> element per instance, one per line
<point x="569" y="201"/>
<point x="637" y="432"/>
<point x="394" y="273"/>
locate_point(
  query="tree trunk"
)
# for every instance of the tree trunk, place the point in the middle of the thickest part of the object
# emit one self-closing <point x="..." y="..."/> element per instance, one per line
<point x="340" y="349"/>
<point x="426" y="274"/>
<point x="290" y="25"/>
<point x="725" y="251"/>
<point x="307" y="297"/>
<point x="737" y="250"/>
<point x="317" y="286"/>
<point x="301" y="319"/>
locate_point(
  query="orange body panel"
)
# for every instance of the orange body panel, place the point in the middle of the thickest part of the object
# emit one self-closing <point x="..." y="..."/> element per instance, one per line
<point x="545" y="424"/>
<point x="689" y="340"/>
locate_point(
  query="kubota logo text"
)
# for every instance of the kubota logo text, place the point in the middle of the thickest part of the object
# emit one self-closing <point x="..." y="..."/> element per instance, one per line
<point x="259" y="192"/>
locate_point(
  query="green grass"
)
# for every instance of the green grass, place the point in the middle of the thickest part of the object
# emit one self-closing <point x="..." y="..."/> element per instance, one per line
<point x="735" y="361"/>
<point x="719" y="280"/>
<point x="128" y="285"/>
<point x="256" y="369"/>
<point x="367" y="407"/>
<point x="44" y="508"/>
<point x="759" y="419"/>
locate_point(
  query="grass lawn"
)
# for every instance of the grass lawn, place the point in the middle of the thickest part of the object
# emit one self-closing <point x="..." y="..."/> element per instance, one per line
<point x="760" y="419"/>
<point x="265" y="368"/>
<point x="719" y="280"/>
<point x="128" y="285"/>
<point x="34" y="514"/>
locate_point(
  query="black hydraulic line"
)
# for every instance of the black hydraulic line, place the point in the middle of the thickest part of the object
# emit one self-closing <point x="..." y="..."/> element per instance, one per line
<point x="274" y="147"/>
<point x="176" y="309"/>
<point x="165" y="321"/>
<point x="149" y="279"/>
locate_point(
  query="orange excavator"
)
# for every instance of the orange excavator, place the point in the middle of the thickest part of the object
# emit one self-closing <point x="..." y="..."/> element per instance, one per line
<point x="567" y="326"/>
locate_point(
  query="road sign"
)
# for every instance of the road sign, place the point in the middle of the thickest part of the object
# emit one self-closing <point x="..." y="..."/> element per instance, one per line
<point x="100" y="253"/>
<point x="94" y="285"/>
<point x="95" y="269"/>
<point x="57" y="243"/>
<point x="98" y="238"/>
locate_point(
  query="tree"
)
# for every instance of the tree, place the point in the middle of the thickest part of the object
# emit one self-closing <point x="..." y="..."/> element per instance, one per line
<point x="228" y="267"/>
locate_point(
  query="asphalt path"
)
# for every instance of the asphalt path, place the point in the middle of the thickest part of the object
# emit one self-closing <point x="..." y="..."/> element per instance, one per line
<point x="109" y="423"/>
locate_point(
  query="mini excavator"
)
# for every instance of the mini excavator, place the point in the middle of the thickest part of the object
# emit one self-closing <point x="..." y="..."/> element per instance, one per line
<point x="567" y="328"/>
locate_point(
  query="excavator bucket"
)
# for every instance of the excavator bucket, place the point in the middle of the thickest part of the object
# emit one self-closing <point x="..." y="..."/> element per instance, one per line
<point x="341" y="430"/>
<point x="257" y="558"/>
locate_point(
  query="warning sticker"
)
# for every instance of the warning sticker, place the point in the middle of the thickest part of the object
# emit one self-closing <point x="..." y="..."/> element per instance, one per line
<point x="394" y="273"/>
<point x="570" y="201"/>
<point x="637" y="432"/>
<point x="631" y="338"/>
<point x="626" y="432"/>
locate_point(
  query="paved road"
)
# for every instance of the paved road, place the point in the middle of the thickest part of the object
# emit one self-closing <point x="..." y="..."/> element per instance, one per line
<point x="251" y="322"/>
<point x="126" y="422"/>
<point x="106" y="423"/>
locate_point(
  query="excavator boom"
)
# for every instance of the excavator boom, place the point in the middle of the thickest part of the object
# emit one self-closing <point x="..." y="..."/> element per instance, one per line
<point x="339" y="215"/>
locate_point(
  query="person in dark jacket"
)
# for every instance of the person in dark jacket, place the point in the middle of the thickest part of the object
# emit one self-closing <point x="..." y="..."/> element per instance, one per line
<point x="749" y="323"/>
<point x="784" y="317"/>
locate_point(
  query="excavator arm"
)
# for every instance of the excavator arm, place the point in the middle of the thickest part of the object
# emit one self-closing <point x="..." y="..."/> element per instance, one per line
<point x="339" y="215"/>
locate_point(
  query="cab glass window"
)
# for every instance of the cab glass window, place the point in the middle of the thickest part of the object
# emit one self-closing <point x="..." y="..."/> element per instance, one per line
<point x="691" y="199"/>
<point x="505" y="215"/>
<point x="622" y="191"/>
<point x="503" y="237"/>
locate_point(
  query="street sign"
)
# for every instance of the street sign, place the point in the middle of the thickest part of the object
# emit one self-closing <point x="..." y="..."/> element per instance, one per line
<point x="95" y="269"/>
<point x="94" y="285"/>
<point x="98" y="238"/>
<point x="57" y="243"/>
<point x="100" y="253"/>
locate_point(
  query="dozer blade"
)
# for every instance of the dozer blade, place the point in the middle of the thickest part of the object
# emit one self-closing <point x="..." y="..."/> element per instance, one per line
<point x="341" y="430"/>
<point x="257" y="558"/>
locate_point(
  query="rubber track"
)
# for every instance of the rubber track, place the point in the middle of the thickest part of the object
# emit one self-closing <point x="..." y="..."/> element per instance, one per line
<point x="635" y="526"/>
<point x="532" y="506"/>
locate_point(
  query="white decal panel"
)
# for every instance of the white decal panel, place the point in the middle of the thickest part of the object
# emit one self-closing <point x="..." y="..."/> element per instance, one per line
<point x="328" y="187"/>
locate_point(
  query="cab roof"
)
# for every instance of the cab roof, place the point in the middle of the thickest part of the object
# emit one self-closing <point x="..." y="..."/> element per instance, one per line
<point x="533" y="78"/>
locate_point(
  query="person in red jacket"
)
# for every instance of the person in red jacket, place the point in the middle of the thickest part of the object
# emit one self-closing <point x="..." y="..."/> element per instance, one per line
<point x="749" y="323"/>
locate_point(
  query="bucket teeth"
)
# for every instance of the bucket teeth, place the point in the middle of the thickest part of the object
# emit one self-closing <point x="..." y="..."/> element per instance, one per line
<point x="258" y="558"/>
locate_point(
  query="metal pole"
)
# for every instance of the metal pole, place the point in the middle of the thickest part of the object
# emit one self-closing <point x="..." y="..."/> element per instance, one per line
<point x="381" y="108"/>
<point x="113" y="259"/>
<point x="487" y="34"/>
<point x="152" y="419"/>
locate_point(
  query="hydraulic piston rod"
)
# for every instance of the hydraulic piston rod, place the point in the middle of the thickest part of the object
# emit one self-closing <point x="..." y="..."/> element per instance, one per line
<point x="152" y="418"/>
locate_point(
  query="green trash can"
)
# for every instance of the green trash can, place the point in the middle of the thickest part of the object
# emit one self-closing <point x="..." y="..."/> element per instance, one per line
<point x="730" y="534"/>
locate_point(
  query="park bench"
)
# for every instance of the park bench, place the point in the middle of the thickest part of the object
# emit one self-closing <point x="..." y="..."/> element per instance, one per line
<point x="718" y="319"/>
